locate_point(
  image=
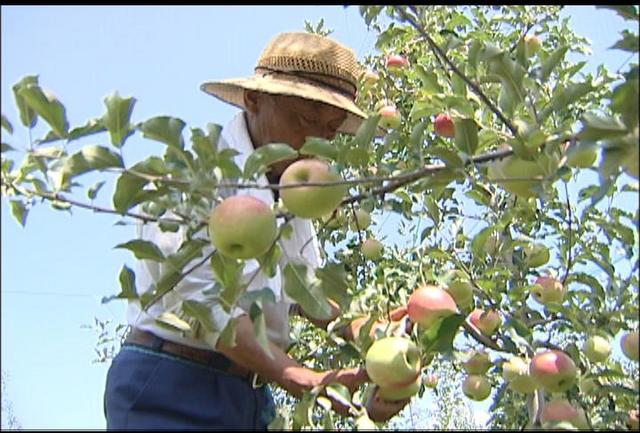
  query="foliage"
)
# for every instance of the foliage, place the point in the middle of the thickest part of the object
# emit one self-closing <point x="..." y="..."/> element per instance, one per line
<point x="447" y="208"/>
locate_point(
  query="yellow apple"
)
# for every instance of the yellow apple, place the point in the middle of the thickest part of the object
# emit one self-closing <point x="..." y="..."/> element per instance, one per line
<point x="372" y="249"/>
<point x="393" y="362"/>
<point x="629" y="345"/>
<point x="476" y="387"/>
<point x="596" y="348"/>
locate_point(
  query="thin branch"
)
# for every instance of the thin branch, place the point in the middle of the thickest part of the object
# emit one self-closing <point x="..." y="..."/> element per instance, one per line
<point x="453" y="67"/>
<point x="569" y="259"/>
<point x="483" y="339"/>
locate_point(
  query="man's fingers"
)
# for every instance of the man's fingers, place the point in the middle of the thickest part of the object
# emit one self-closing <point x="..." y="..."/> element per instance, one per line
<point x="398" y="313"/>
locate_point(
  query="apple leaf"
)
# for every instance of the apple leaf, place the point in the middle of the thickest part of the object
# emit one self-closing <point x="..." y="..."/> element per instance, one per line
<point x="93" y="126"/>
<point x="117" y="118"/>
<point x="596" y="127"/>
<point x="92" y="192"/>
<point x="165" y="129"/>
<point x="143" y="250"/>
<point x="6" y="124"/>
<point x="551" y="62"/>
<point x="199" y="311"/>
<point x="172" y="322"/>
<point x="333" y="278"/>
<point x="269" y="260"/>
<point x="129" y="192"/>
<point x="260" y="327"/>
<point x="466" y="138"/>
<point x="629" y="42"/>
<point x="266" y="155"/>
<point x="89" y="158"/>
<point x="205" y="146"/>
<point x="366" y="131"/>
<point x="442" y="340"/>
<point x="316" y="146"/>
<point x="127" y="280"/>
<point x="228" y="334"/>
<point x="628" y="12"/>
<point x="306" y="292"/>
<point x="47" y="107"/>
<point x="28" y="116"/>
<point x="226" y="270"/>
<point x="19" y="211"/>
<point x="339" y="392"/>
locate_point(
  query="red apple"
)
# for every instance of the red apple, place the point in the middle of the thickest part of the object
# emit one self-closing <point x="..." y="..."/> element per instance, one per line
<point x="487" y="322"/>
<point x="548" y="290"/>
<point x="560" y="410"/>
<point x="444" y="126"/>
<point x="242" y="227"/>
<point x="477" y="362"/>
<point x="430" y="304"/>
<point x="390" y="117"/>
<point x="396" y="62"/>
<point x="554" y="370"/>
<point x="430" y="381"/>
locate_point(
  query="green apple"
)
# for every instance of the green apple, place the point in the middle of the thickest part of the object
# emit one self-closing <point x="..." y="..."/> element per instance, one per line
<point x="362" y="220"/>
<point x="311" y="201"/>
<point x="443" y="126"/>
<point x="589" y="385"/>
<point x="487" y="322"/>
<point x="393" y="362"/>
<point x="555" y="371"/>
<point x="335" y="219"/>
<point x="429" y="304"/>
<point x="460" y="289"/>
<point x="629" y="345"/>
<point x="536" y="255"/>
<point x="477" y="362"/>
<point x="596" y="348"/>
<point x="372" y="249"/>
<point x="560" y="410"/>
<point x="396" y="393"/>
<point x="532" y="45"/>
<point x="548" y="290"/>
<point x="516" y="175"/>
<point x="390" y="117"/>
<point x="476" y="387"/>
<point x="582" y="156"/>
<point x="242" y="227"/>
<point x="516" y="373"/>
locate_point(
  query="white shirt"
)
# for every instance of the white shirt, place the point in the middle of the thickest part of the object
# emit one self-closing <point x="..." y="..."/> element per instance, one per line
<point x="234" y="136"/>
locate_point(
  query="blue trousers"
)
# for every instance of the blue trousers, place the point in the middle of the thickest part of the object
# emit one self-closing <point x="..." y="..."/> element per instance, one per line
<point x="151" y="390"/>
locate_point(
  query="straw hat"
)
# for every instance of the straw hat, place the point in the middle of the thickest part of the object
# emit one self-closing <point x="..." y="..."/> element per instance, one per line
<point x="305" y="65"/>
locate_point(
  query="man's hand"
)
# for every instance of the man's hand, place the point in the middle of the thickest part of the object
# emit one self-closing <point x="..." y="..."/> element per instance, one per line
<point x="380" y="410"/>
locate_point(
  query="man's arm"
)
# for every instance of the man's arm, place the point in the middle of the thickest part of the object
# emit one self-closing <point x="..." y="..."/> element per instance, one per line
<point x="283" y="369"/>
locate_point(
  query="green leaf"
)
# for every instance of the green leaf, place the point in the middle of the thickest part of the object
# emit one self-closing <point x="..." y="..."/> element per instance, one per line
<point x="333" y="279"/>
<point x="118" y="117"/>
<point x="6" y="148"/>
<point x="93" y="126"/>
<point x="628" y="12"/>
<point x="305" y="292"/>
<point x="165" y="129"/>
<point x="19" y="211"/>
<point x="269" y="260"/>
<point x="449" y="157"/>
<point x="6" y="124"/>
<point x="173" y="322"/>
<point x="199" y="311"/>
<point x="260" y="327"/>
<point x="129" y="192"/>
<point x="339" y="392"/>
<point x="206" y="146"/>
<point x="466" y="138"/>
<point x="227" y="271"/>
<point x="47" y="107"/>
<point x="228" y="334"/>
<point x="93" y="191"/>
<point x="511" y="75"/>
<point x="366" y="132"/>
<point x="90" y="158"/>
<point x="143" y="250"/>
<point x="563" y="97"/>
<point x="127" y="285"/>
<point x="266" y="155"/>
<point x="429" y="79"/>
<point x="624" y="101"/>
<point x="596" y="127"/>
<point x="477" y="245"/>
<point x="316" y="146"/>
<point x="629" y="42"/>
<point x="28" y="116"/>
<point x="442" y="341"/>
<point x="551" y="62"/>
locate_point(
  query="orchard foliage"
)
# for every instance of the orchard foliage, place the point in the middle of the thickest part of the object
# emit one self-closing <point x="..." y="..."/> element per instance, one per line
<point x="447" y="203"/>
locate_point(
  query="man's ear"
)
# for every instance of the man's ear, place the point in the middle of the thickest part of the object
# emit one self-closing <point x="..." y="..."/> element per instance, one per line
<point x="251" y="101"/>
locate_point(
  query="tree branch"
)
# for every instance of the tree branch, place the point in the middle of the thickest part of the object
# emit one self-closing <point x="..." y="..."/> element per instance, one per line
<point x="476" y="89"/>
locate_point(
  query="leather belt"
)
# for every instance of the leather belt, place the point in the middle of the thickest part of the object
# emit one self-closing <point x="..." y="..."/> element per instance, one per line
<point x="201" y="356"/>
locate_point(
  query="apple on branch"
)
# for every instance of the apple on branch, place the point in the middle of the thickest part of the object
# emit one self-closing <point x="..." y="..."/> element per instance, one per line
<point x="516" y="373"/>
<point x="532" y="45"/>
<point x="311" y="201"/>
<point x="396" y="62"/>
<point x="242" y="227"/>
<point x="393" y="363"/>
<point x="429" y="305"/>
<point x="487" y="322"/>
<point x="476" y="387"/>
<point x="536" y="255"/>
<point x="362" y="220"/>
<point x="560" y="410"/>
<point x="460" y="289"/>
<point x="554" y="370"/>
<point x="372" y="249"/>
<point x="516" y="175"/>
<point x="596" y="348"/>
<point x="477" y="362"/>
<point x="444" y="126"/>
<point x="430" y="380"/>
<point x="548" y="290"/>
<point x="390" y="117"/>
<point x="629" y="345"/>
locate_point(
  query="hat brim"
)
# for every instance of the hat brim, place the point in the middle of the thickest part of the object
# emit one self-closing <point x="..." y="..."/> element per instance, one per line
<point x="232" y="92"/>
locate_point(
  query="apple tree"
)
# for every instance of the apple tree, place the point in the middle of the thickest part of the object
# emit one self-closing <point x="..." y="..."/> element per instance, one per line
<point x="492" y="229"/>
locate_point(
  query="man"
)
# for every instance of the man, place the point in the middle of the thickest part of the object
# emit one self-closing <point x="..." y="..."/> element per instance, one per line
<point x="304" y="85"/>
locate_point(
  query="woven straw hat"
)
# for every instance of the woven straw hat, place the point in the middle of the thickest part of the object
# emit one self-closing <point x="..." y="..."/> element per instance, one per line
<point x="305" y="65"/>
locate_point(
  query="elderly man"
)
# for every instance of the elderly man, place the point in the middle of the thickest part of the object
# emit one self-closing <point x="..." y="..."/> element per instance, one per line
<point x="304" y="85"/>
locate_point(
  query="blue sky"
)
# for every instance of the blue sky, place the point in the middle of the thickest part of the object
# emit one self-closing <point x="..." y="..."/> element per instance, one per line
<point x="55" y="271"/>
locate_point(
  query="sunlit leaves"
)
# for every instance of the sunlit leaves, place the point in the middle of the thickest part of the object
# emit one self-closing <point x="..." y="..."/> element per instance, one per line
<point x="118" y="118"/>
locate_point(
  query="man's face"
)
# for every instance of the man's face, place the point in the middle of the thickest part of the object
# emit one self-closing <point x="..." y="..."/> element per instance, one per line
<point x="290" y="120"/>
